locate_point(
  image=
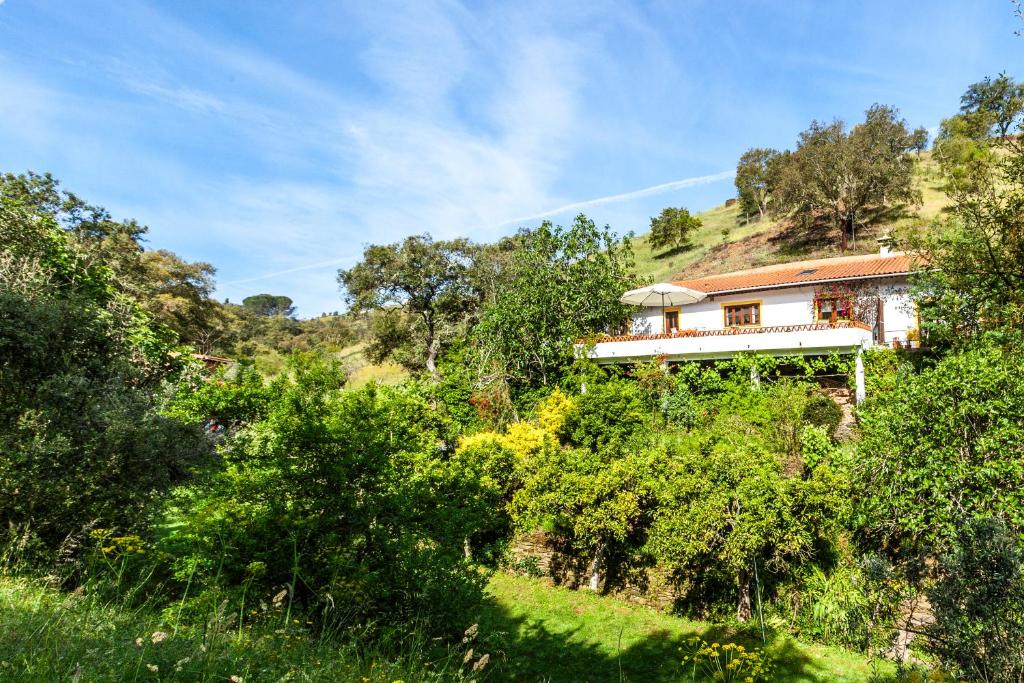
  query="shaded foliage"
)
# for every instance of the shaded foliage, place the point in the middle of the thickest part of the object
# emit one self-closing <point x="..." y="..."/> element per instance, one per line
<point x="82" y="445"/>
<point x="556" y="286"/>
<point x="978" y="601"/>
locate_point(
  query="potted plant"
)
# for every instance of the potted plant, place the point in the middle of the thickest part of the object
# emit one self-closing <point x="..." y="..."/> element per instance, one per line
<point x="914" y="338"/>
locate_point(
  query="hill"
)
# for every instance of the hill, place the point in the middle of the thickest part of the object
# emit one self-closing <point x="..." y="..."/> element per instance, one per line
<point x="725" y="244"/>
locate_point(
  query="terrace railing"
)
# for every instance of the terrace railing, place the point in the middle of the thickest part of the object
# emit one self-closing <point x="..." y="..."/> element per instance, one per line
<point x="679" y="334"/>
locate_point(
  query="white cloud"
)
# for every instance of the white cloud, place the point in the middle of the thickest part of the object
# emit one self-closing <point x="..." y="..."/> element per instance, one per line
<point x="471" y="118"/>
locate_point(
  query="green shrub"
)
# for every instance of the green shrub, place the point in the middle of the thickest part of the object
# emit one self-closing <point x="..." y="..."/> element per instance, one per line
<point x="606" y="416"/>
<point x="724" y="505"/>
<point x="344" y="499"/>
<point x="82" y="445"/>
<point x="230" y="399"/>
<point x="815" y="446"/>
<point x="822" y="411"/>
<point x="682" y="408"/>
<point x="951" y="436"/>
<point x="978" y="602"/>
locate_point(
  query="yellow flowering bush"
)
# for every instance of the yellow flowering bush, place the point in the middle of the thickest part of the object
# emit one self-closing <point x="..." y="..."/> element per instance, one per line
<point x="522" y="439"/>
<point x="552" y="410"/>
<point x="728" y="662"/>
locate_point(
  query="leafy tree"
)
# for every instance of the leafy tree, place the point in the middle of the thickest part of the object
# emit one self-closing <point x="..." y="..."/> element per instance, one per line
<point x="556" y="286"/>
<point x="100" y="239"/>
<point x="976" y="284"/>
<point x="724" y="506"/>
<point x="177" y="293"/>
<point x="919" y="140"/>
<point x="82" y="444"/>
<point x="755" y="177"/>
<point x="269" y="305"/>
<point x="997" y="102"/>
<point x="978" y="603"/>
<point x="944" y="446"/>
<point x="428" y="282"/>
<point x="963" y="152"/>
<point x="845" y="178"/>
<point x="672" y="228"/>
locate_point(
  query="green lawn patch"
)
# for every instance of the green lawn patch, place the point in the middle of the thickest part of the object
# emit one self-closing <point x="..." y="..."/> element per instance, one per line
<point x="557" y="634"/>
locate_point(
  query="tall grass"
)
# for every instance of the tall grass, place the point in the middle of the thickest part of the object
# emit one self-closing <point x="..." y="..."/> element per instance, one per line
<point x="89" y="635"/>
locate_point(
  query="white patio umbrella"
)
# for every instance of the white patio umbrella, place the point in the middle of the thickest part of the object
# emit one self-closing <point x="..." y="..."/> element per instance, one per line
<point x="662" y="294"/>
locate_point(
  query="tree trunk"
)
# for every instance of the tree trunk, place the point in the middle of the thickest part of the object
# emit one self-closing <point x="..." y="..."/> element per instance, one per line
<point x="432" y="350"/>
<point x="744" y="609"/>
<point x="432" y="360"/>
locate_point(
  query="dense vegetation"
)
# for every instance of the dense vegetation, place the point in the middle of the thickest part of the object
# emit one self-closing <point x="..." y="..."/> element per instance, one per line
<point x="274" y="499"/>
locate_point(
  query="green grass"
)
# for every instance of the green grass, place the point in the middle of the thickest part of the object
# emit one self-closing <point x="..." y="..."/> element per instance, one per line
<point x="531" y="631"/>
<point x="551" y="633"/>
<point x="47" y="636"/>
<point x="362" y="371"/>
<point x="768" y="241"/>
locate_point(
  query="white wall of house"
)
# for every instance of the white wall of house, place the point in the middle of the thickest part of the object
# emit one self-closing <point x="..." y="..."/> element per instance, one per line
<point x="784" y="306"/>
<point x="900" y="314"/>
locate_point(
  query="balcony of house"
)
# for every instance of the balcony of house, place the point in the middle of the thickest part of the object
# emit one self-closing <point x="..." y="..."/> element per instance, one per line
<point x="781" y="340"/>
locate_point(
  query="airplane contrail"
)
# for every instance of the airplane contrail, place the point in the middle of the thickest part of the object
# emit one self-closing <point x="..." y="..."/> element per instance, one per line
<point x="267" y="276"/>
<point x="644" y="192"/>
<point x="610" y="199"/>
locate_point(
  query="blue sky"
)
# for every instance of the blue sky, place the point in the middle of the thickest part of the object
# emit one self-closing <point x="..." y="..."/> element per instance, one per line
<point x="276" y="139"/>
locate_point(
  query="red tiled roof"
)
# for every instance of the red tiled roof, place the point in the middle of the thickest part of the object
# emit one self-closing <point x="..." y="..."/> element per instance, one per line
<point x="803" y="272"/>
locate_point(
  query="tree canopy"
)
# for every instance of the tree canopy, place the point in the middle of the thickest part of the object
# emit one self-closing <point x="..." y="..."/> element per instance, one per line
<point x="672" y="228"/>
<point x="847" y="178"/>
<point x="976" y="282"/>
<point x="755" y="177"/>
<point x="421" y="291"/>
<point x="558" y="285"/>
<point x="269" y="305"/>
<point x="996" y="104"/>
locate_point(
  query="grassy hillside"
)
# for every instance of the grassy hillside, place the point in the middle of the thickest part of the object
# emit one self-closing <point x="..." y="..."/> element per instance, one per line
<point x="362" y="371"/>
<point x="530" y="630"/>
<point x="768" y="241"/>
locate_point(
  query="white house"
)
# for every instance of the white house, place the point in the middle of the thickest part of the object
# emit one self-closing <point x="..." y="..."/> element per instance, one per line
<point x="819" y="307"/>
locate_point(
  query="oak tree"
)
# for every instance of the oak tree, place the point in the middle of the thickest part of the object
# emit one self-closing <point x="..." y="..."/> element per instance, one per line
<point x="422" y="290"/>
<point x="755" y="180"/>
<point x="672" y="228"/>
<point x="848" y="178"/>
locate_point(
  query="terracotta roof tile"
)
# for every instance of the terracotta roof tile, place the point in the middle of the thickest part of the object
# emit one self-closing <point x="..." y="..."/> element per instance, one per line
<point x="800" y="272"/>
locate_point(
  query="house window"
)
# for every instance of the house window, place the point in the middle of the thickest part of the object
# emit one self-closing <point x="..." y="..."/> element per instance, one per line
<point x="672" y="320"/>
<point x="737" y="315"/>
<point x="834" y="308"/>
